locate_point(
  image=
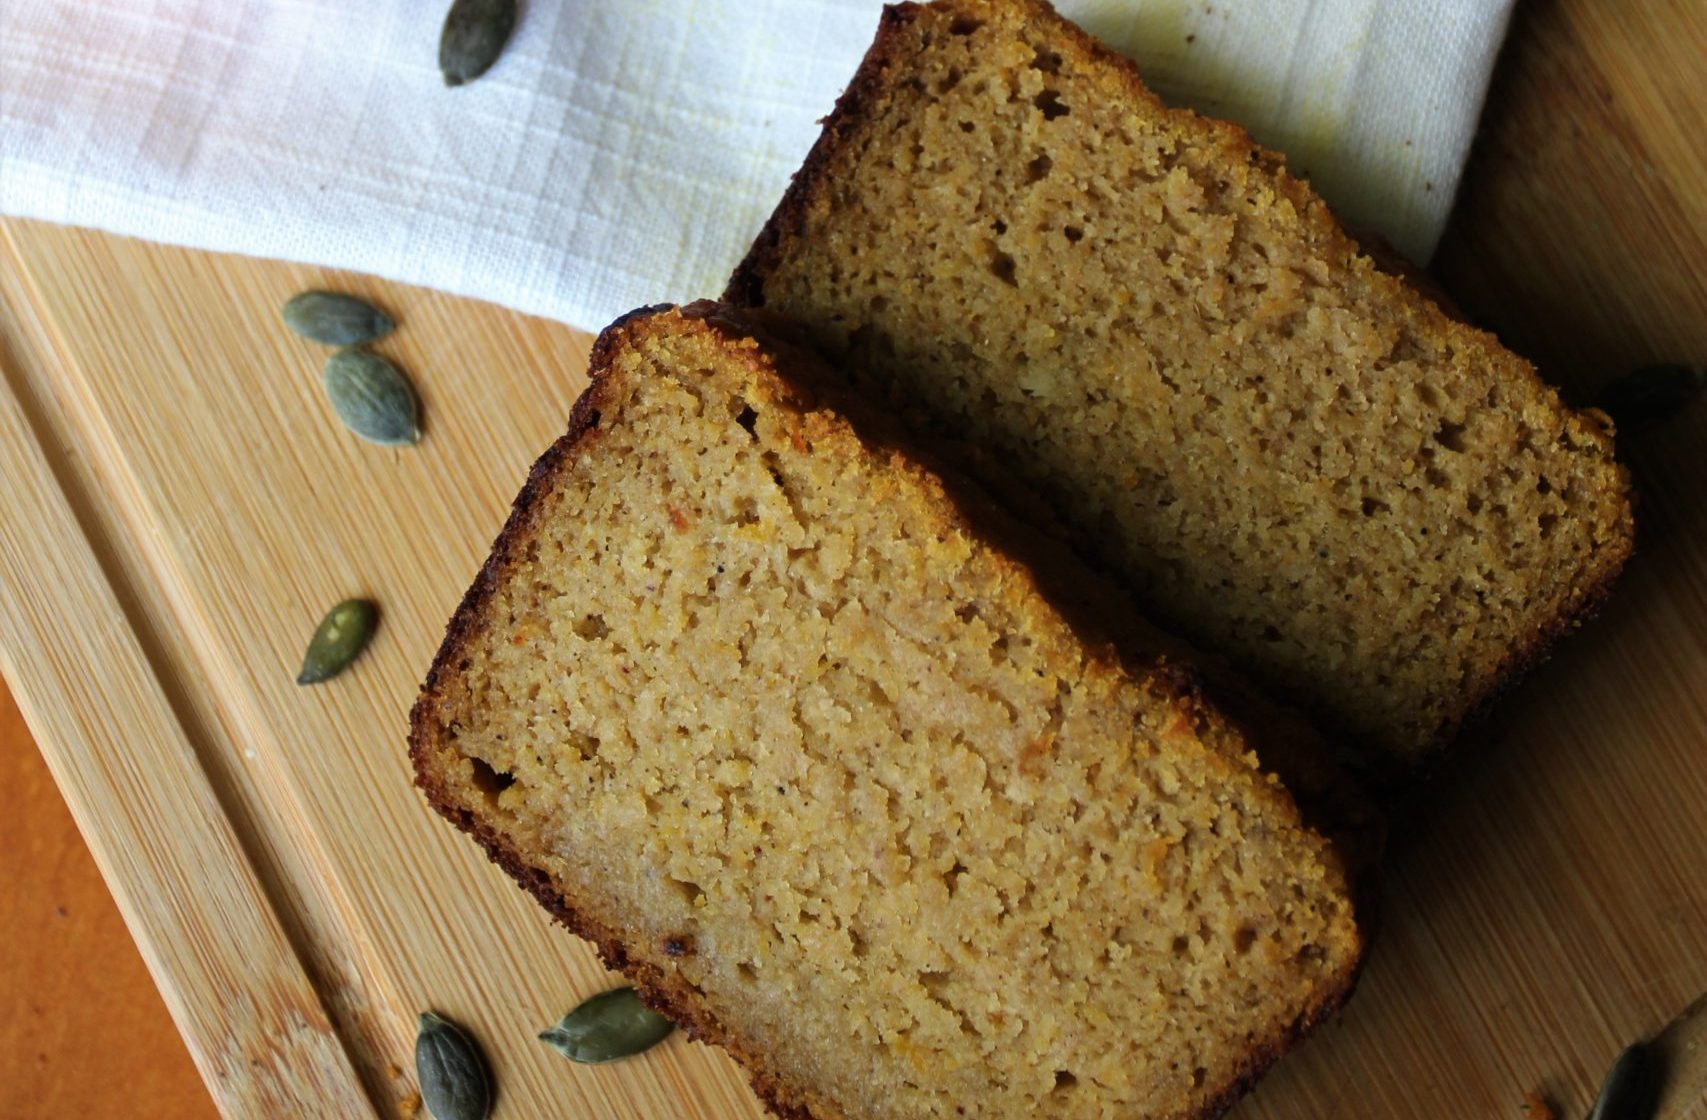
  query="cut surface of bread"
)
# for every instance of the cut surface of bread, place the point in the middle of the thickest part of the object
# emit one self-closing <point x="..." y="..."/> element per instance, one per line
<point x="1286" y="453"/>
<point x="744" y="696"/>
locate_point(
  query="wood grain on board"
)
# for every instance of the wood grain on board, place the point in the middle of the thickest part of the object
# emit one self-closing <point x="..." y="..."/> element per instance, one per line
<point x="180" y="507"/>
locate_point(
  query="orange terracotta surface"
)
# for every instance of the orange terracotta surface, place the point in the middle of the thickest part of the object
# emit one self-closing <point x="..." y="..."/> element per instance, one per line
<point x="83" y="1031"/>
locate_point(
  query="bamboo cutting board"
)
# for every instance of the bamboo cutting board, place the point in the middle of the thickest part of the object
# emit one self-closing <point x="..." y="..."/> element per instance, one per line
<point x="179" y="507"/>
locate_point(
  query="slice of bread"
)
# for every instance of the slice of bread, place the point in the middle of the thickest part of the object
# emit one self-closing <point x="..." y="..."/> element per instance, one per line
<point x="1287" y="453"/>
<point x="775" y="715"/>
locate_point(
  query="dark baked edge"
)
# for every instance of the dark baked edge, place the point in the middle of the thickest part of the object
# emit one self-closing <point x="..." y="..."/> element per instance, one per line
<point x="1393" y="778"/>
<point x="661" y="989"/>
<point x="746" y="287"/>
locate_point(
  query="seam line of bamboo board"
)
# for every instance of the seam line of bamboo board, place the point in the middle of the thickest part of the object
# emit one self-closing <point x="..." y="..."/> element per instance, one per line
<point x="163" y="878"/>
<point x="256" y="1029"/>
<point x="345" y="972"/>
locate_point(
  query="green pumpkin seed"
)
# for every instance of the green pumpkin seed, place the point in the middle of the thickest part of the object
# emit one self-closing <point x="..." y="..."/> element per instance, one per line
<point x="338" y="640"/>
<point x="455" y="1084"/>
<point x="373" y="398"/>
<point x="1631" y="1089"/>
<point x="609" y="1026"/>
<point x="335" y="319"/>
<point x="1651" y="394"/>
<point x="474" y="35"/>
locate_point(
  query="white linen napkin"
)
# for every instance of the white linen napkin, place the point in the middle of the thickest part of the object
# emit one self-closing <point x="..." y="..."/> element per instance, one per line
<point x="625" y="152"/>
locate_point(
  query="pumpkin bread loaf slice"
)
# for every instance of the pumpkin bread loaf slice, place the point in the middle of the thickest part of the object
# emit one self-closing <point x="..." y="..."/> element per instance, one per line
<point x="1286" y="453"/>
<point x="748" y="697"/>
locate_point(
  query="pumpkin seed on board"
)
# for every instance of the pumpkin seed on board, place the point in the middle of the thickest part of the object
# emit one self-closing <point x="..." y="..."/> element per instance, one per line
<point x="1631" y="1089"/>
<point x="373" y="398"/>
<point x="609" y="1026"/>
<point x="455" y="1083"/>
<point x="335" y="319"/>
<point x="474" y="35"/>
<point x="338" y="640"/>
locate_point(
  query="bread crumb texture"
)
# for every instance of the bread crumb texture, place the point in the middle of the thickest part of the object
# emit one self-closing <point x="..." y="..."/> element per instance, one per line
<point x="1290" y="456"/>
<point x="859" y="803"/>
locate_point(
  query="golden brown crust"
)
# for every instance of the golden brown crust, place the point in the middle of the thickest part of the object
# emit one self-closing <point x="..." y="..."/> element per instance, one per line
<point x="1401" y="282"/>
<point x="661" y="987"/>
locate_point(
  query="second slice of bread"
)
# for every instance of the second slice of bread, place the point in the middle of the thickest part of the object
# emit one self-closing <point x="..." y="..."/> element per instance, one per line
<point x="748" y="696"/>
<point x="1290" y="455"/>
